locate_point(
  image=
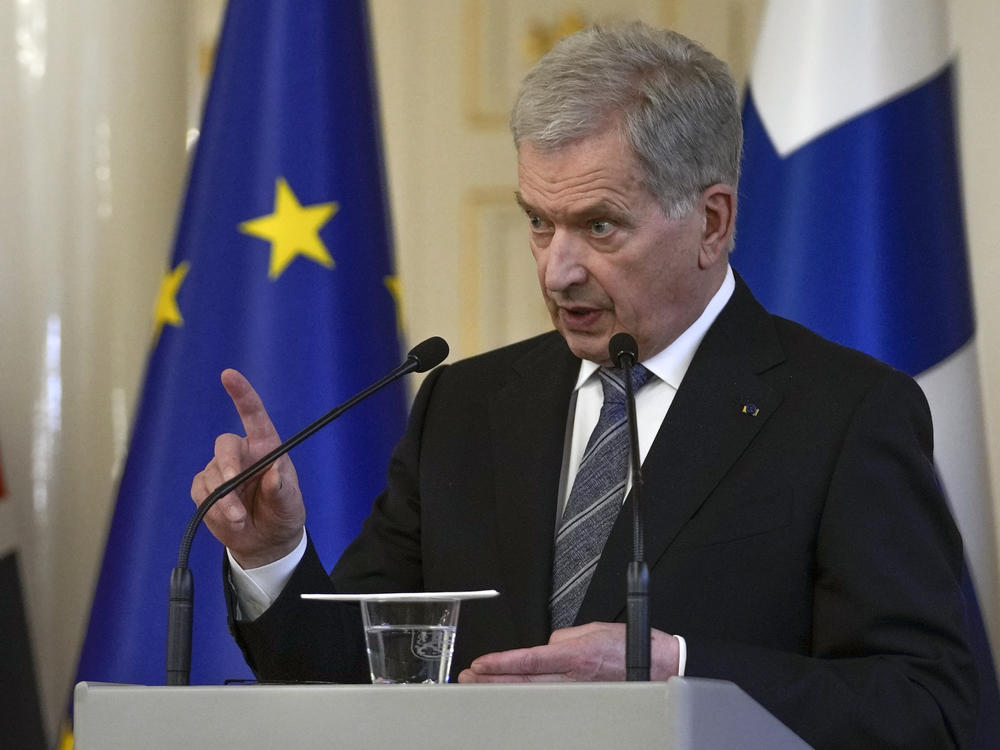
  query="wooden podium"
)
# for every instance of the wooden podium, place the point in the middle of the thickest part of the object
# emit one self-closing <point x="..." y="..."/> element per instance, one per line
<point x="682" y="713"/>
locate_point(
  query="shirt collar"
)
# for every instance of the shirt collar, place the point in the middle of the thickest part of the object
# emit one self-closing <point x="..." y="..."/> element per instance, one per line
<point x="672" y="363"/>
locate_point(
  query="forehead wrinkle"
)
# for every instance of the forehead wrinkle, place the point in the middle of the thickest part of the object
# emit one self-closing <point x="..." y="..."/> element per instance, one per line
<point x="577" y="195"/>
<point x="580" y="181"/>
<point x="601" y="176"/>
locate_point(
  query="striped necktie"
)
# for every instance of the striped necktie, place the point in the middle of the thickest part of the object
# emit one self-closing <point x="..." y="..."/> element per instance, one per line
<point x="595" y="500"/>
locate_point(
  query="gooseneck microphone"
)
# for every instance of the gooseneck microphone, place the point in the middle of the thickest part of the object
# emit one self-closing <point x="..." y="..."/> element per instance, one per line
<point x="625" y="353"/>
<point x="422" y="357"/>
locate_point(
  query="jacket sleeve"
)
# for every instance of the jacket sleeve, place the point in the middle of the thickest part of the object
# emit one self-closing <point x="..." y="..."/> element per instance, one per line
<point x="297" y="640"/>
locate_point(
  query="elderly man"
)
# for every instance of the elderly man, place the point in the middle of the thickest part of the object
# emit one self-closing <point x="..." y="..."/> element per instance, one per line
<point x="797" y="539"/>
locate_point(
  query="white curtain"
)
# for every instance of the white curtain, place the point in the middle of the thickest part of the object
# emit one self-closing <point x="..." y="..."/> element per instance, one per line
<point x="93" y="112"/>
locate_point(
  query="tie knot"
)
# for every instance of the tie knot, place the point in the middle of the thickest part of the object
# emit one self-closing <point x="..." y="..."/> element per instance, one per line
<point x="613" y="381"/>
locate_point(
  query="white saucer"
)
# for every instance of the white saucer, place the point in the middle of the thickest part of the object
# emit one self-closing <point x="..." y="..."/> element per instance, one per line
<point x="404" y="597"/>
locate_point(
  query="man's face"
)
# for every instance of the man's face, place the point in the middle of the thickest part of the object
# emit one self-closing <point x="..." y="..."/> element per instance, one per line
<point x="608" y="257"/>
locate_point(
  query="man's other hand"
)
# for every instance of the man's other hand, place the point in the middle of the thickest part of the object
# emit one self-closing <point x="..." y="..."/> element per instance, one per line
<point x="593" y="652"/>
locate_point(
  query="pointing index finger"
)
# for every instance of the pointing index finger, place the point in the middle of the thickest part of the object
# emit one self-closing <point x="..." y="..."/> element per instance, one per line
<point x="248" y="405"/>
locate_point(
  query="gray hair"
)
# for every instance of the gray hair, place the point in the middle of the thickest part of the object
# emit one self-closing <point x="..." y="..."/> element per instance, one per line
<point x="674" y="102"/>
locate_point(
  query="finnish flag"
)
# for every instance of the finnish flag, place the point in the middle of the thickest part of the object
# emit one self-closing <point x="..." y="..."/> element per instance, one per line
<point x="850" y="222"/>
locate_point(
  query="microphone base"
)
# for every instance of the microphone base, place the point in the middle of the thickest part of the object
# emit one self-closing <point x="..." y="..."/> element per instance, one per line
<point x="179" y="618"/>
<point x="637" y="633"/>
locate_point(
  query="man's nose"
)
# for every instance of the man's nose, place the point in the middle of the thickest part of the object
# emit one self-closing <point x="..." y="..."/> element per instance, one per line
<point x="565" y="261"/>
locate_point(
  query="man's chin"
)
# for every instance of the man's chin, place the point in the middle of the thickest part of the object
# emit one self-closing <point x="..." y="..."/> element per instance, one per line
<point x="593" y="347"/>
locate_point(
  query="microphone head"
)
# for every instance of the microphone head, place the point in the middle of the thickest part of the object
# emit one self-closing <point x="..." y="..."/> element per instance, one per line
<point x="623" y="345"/>
<point x="429" y="353"/>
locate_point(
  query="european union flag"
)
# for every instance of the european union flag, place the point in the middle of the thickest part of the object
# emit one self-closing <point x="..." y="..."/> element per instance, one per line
<point x="851" y="223"/>
<point x="282" y="269"/>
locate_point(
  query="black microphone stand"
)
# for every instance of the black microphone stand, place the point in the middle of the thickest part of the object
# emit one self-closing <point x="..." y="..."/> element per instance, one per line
<point x="624" y="352"/>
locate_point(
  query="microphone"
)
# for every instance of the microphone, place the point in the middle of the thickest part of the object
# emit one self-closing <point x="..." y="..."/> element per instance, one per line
<point x="422" y="357"/>
<point x="623" y="350"/>
<point x="426" y="355"/>
<point x="625" y="353"/>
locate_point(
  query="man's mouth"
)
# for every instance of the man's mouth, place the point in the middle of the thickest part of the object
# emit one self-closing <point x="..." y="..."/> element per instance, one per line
<point x="579" y="317"/>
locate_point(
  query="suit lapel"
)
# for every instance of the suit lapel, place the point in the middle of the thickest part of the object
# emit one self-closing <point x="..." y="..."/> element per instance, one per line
<point x="527" y="423"/>
<point x="704" y="433"/>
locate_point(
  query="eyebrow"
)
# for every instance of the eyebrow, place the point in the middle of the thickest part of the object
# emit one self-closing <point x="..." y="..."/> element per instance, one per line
<point x="600" y="208"/>
<point x="521" y="202"/>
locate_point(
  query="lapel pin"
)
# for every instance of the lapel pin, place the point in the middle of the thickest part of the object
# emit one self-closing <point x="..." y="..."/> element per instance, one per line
<point x="752" y="409"/>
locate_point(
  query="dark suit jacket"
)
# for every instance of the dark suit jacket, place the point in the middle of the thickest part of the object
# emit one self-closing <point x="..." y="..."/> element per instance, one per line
<point x="805" y="553"/>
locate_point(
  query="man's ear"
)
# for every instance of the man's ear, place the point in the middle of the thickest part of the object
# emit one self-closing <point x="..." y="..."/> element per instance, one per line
<point x="718" y="206"/>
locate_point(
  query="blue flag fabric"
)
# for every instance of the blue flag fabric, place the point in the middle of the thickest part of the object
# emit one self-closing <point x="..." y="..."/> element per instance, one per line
<point x="850" y="222"/>
<point x="825" y="238"/>
<point x="281" y="269"/>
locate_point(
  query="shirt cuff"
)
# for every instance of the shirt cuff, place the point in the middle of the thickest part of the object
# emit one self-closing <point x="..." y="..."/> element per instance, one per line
<point x="257" y="588"/>
<point x="682" y="654"/>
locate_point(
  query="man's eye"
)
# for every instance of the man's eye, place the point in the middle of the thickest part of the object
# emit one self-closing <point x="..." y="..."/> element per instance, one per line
<point x="600" y="227"/>
<point x="536" y="222"/>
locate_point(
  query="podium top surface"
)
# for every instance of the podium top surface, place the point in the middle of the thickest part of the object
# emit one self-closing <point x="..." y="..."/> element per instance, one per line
<point x="680" y="713"/>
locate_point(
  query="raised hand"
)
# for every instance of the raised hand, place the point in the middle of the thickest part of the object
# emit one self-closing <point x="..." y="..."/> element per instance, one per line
<point x="262" y="520"/>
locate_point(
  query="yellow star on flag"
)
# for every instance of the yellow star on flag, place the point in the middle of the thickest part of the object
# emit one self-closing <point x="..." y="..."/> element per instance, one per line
<point x="166" y="311"/>
<point x="396" y="290"/>
<point x="292" y="230"/>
